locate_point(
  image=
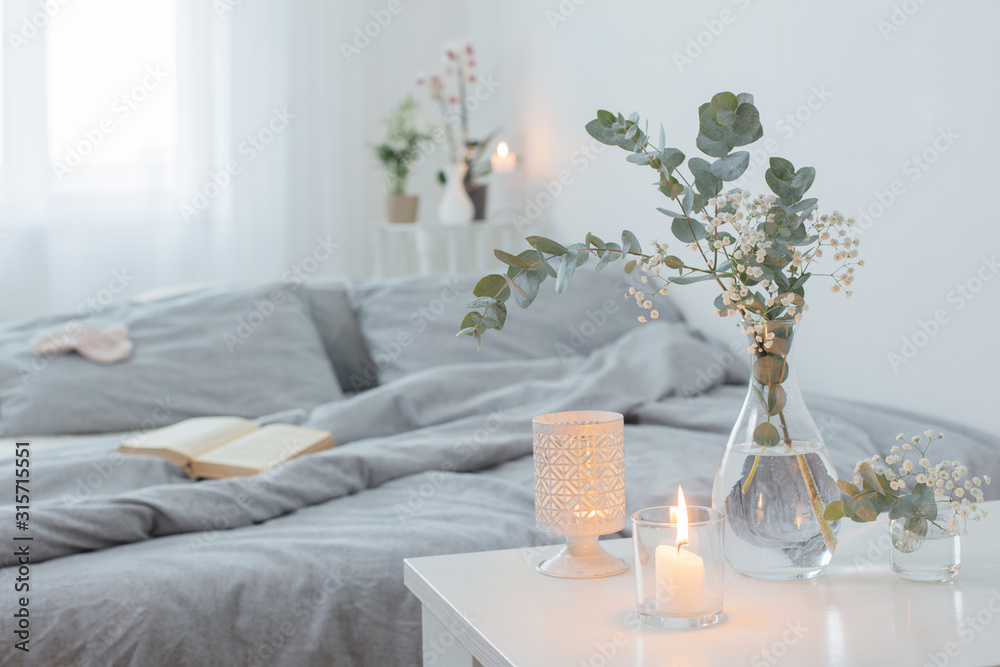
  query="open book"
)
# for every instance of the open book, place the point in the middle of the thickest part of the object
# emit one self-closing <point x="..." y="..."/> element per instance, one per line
<point x="227" y="446"/>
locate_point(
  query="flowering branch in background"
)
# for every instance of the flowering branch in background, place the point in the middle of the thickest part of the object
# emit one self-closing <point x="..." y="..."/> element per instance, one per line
<point x="460" y="67"/>
<point x="909" y="487"/>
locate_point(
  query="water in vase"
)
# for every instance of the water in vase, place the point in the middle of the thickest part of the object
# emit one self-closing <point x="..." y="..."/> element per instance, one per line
<point x="772" y="529"/>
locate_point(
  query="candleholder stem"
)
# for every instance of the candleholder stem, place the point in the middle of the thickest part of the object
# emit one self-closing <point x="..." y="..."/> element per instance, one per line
<point x="583" y="557"/>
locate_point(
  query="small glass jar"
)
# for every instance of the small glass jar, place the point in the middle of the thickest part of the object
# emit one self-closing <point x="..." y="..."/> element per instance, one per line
<point x="926" y="550"/>
<point x="679" y="573"/>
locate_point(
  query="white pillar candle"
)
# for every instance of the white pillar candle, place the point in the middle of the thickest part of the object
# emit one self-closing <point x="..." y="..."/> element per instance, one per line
<point x="503" y="160"/>
<point x="680" y="574"/>
<point x="680" y="581"/>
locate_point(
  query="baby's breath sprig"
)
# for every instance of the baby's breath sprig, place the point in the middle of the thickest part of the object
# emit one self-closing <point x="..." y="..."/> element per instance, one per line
<point x="908" y="485"/>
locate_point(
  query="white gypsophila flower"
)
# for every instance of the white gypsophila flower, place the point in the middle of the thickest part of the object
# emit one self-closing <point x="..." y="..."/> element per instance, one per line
<point x="654" y="314"/>
<point x="908" y="466"/>
<point x="959" y="492"/>
<point x="929" y="433"/>
<point x="921" y="478"/>
<point x="642" y="318"/>
<point x="894" y="486"/>
<point x="901" y="484"/>
<point x="924" y="463"/>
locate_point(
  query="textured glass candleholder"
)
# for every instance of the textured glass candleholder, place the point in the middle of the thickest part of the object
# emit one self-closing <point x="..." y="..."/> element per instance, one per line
<point x="580" y="489"/>
<point x="678" y="573"/>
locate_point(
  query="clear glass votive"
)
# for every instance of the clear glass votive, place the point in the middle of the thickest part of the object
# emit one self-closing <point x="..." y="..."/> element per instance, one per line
<point x="679" y="564"/>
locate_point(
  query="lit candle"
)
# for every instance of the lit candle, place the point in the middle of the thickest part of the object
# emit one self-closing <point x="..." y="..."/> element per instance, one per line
<point x="680" y="574"/>
<point x="503" y="160"/>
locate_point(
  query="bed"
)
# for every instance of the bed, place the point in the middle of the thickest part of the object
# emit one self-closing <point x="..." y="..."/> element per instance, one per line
<point x="134" y="564"/>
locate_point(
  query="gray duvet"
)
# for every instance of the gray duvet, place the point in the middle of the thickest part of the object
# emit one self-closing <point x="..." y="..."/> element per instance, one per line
<point x="133" y="564"/>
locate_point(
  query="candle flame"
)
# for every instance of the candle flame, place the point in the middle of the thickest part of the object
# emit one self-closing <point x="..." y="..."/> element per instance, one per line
<point x="502" y="149"/>
<point x="679" y="515"/>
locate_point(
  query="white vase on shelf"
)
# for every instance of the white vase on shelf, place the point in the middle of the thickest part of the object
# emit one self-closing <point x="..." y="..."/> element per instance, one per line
<point x="455" y="207"/>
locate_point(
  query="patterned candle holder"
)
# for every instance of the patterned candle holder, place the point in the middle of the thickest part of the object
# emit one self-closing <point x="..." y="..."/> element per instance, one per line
<point x="679" y="565"/>
<point x="580" y="489"/>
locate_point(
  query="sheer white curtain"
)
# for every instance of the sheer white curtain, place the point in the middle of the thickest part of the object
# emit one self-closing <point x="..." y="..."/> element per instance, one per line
<point x="251" y="182"/>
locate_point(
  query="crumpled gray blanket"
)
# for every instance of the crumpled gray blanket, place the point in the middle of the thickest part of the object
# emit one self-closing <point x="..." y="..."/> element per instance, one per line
<point x="302" y="565"/>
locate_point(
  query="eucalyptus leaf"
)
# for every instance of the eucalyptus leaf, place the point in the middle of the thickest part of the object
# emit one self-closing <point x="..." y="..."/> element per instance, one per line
<point x="687" y="230"/>
<point x="542" y="244"/>
<point x="630" y="266"/>
<point x="528" y="282"/>
<point x="567" y="265"/>
<point x="731" y="167"/>
<point x="712" y="148"/>
<point x="481" y="302"/>
<point x="766" y="435"/>
<point x="630" y="244"/>
<point x="511" y="260"/>
<point x="493" y="285"/>
<point x="671" y="158"/>
<point x="834" y="510"/>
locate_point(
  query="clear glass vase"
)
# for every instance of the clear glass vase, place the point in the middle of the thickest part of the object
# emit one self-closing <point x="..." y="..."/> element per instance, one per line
<point x="776" y="476"/>
<point x="926" y="550"/>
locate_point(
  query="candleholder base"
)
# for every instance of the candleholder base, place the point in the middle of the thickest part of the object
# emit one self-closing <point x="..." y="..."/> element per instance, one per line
<point x="582" y="558"/>
<point x="672" y="623"/>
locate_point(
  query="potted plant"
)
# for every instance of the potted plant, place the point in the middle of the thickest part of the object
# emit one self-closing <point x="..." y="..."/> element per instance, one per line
<point x="776" y="478"/>
<point x="397" y="154"/>
<point x="468" y="158"/>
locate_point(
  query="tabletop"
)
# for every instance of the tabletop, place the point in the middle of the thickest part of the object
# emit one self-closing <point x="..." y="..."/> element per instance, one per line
<point x="858" y="612"/>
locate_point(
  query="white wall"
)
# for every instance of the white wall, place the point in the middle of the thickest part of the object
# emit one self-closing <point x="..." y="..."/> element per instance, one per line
<point x="888" y="99"/>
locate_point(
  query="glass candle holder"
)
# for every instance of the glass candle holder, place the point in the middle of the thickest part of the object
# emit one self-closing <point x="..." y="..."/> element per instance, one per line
<point x="679" y="566"/>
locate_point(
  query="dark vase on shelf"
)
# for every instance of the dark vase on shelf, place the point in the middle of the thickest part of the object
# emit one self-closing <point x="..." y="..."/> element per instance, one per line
<point x="477" y="193"/>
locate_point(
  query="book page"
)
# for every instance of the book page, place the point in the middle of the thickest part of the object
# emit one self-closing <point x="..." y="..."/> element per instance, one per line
<point x="189" y="438"/>
<point x="261" y="450"/>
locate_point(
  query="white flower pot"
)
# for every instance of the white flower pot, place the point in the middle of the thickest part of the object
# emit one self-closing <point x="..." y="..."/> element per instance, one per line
<point x="455" y="207"/>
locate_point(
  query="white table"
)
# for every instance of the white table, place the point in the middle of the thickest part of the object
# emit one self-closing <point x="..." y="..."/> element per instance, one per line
<point x="426" y="237"/>
<point x="493" y="608"/>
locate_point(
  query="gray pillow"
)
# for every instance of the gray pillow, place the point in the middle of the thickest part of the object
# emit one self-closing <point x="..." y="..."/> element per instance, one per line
<point x="410" y="323"/>
<point x="338" y="327"/>
<point x="223" y="351"/>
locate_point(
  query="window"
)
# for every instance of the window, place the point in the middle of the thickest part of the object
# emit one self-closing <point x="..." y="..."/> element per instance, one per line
<point x="89" y="110"/>
<point x="112" y="119"/>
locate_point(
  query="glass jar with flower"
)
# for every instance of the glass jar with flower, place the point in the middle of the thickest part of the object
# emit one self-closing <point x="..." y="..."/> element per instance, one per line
<point x="928" y="506"/>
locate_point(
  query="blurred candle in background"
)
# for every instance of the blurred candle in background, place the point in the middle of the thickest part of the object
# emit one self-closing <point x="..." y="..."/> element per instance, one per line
<point x="503" y="160"/>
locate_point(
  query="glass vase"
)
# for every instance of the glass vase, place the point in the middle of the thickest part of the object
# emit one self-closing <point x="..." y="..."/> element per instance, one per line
<point x="776" y="476"/>
<point x="926" y="550"/>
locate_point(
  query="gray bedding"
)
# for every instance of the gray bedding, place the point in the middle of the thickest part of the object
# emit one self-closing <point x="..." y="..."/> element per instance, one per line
<point x="303" y="565"/>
